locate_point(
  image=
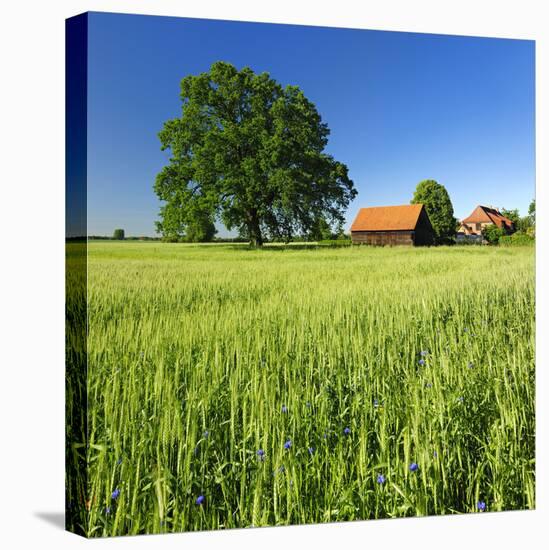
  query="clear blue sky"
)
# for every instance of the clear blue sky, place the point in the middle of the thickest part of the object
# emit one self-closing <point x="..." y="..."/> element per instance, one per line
<point x="402" y="107"/>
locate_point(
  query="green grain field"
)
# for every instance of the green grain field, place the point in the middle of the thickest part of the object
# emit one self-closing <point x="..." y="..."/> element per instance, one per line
<point x="301" y="385"/>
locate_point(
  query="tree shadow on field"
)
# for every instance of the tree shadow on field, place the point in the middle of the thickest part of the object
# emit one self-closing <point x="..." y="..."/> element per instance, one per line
<point x="275" y="247"/>
<point x="57" y="519"/>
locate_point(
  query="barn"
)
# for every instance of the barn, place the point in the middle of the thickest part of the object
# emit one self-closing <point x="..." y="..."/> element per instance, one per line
<point x="407" y="224"/>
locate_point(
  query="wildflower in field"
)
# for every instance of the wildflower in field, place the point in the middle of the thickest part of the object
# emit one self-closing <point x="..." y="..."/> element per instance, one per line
<point x="376" y="403"/>
<point x="423" y="353"/>
<point x="347" y="431"/>
<point x="481" y="506"/>
<point x="421" y="362"/>
<point x="284" y="409"/>
<point x="435" y="454"/>
<point x="428" y="385"/>
<point x="261" y="454"/>
<point x="115" y="494"/>
<point x="200" y="500"/>
<point x="311" y="450"/>
<point x="107" y="510"/>
<point x="206" y="433"/>
<point x="460" y="399"/>
<point x="470" y="365"/>
<point x="325" y="436"/>
<point x="413" y="467"/>
<point x="381" y="479"/>
<point x="288" y="444"/>
<point x="119" y="461"/>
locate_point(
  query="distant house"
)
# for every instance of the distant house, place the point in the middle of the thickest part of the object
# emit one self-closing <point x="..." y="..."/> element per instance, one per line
<point x="482" y="216"/>
<point x="407" y="224"/>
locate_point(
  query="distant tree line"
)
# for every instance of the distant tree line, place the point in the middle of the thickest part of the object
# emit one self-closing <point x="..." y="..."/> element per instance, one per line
<point x="113" y="238"/>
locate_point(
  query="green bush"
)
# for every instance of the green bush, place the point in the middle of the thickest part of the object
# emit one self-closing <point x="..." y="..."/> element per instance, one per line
<point x="517" y="239"/>
<point x="492" y="233"/>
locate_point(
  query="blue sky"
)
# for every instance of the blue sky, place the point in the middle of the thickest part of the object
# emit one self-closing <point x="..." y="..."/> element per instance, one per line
<point x="401" y="107"/>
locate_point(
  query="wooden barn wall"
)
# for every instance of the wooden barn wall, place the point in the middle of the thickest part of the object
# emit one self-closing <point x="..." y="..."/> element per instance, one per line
<point x="424" y="234"/>
<point x="383" y="238"/>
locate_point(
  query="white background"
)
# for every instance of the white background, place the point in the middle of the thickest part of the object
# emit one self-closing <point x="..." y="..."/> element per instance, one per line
<point x="32" y="270"/>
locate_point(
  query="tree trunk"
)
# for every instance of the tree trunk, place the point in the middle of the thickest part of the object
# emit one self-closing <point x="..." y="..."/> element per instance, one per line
<point x="256" y="238"/>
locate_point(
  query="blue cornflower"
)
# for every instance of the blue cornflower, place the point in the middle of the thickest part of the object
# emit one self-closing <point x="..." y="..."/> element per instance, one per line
<point x="347" y="431"/>
<point x="381" y="479"/>
<point x="107" y="510"/>
<point x="435" y="454"/>
<point x="421" y="362"/>
<point x="206" y="433"/>
<point x="119" y="461"/>
<point x="423" y="353"/>
<point x="115" y="494"/>
<point x="288" y="444"/>
<point x="284" y="409"/>
<point x="261" y="454"/>
<point x="200" y="500"/>
<point x="311" y="450"/>
<point x="413" y="467"/>
<point x="376" y="403"/>
<point x="481" y="506"/>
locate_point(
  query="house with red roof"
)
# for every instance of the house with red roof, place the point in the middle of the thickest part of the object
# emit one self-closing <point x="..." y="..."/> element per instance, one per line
<point x="480" y="218"/>
<point x="406" y="224"/>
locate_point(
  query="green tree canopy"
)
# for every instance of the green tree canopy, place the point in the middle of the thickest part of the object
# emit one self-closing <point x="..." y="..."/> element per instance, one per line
<point x="532" y="210"/>
<point x="512" y="215"/>
<point x="188" y="225"/>
<point x="118" y="234"/>
<point x="439" y="208"/>
<point x="249" y="152"/>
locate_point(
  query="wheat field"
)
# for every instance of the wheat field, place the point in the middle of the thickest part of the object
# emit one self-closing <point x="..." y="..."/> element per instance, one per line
<point x="230" y="387"/>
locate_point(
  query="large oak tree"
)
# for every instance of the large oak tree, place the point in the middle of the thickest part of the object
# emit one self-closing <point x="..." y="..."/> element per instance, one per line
<point x="250" y="153"/>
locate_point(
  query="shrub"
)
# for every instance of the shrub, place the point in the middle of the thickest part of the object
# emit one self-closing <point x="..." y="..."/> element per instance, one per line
<point x="492" y="233"/>
<point x="517" y="239"/>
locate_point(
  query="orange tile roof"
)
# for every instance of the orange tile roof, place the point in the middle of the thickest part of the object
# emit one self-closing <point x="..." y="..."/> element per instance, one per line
<point x="484" y="214"/>
<point x="387" y="218"/>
